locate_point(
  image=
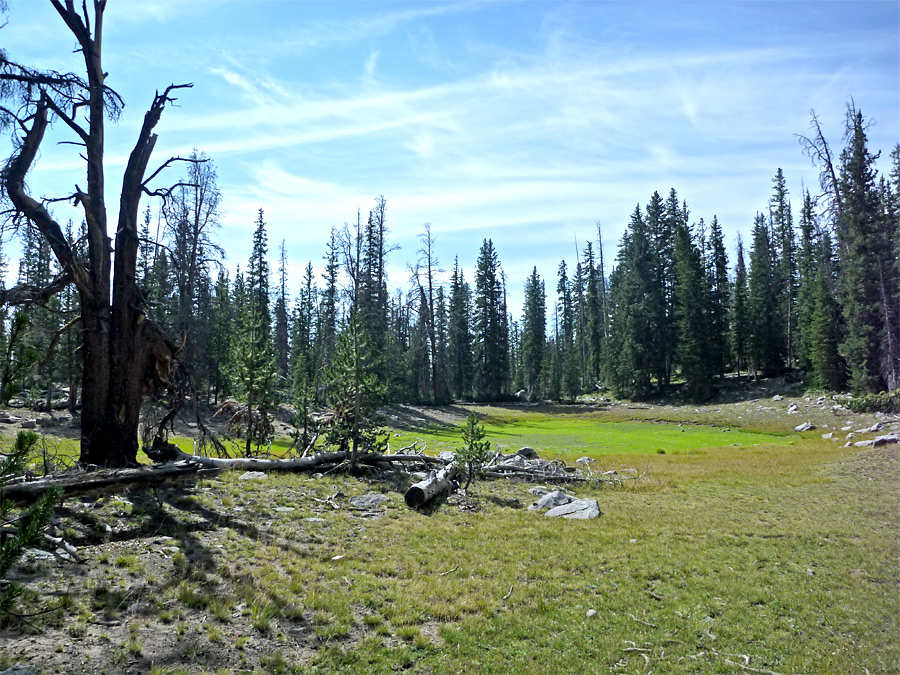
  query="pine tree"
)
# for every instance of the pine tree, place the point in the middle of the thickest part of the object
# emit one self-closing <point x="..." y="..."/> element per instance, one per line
<point x="491" y="334"/>
<point x="806" y="280"/>
<point x="459" y="335"/>
<point x="282" y="321"/>
<point x="692" y="317"/>
<point x="784" y="264"/>
<point x="534" y="334"/>
<point x="629" y="361"/>
<point x="766" y="345"/>
<point x="719" y="298"/>
<point x="868" y="282"/>
<point x="826" y="367"/>
<point x="740" y="319"/>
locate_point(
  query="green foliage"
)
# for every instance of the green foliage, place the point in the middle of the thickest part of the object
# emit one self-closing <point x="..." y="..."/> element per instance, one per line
<point x="355" y="395"/>
<point x="491" y="335"/>
<point x="886" y="402"/>
<point x="475" y="451"/>
<point x="27" y="526"/>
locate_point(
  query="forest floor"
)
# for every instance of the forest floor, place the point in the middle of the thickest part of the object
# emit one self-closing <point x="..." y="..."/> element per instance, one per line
<point x="739" y="544"/>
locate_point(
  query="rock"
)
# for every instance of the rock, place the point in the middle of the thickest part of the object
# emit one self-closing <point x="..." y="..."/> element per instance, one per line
<point x="446" y="455"/>
<point x="551" y="500"/>
<point x="828" y="436"/>
<point x="778" y="397"/>
<point x="585" y="460"/>
<point x="591" y="613"/>
<point x="806" y="426"/>
<point x="315" y="520"/>
<point x="885" y="440"/>
<point x="539" y="490"/>
<point x="846" y="428"/>
<point x="863" y="444"/>
<point x="793" y="409"/>
<point x="253" y="475"/>
<point x="820" y="400"/>
<point x="874" y="429"/>
<point x="28" y="424"/>
<point x="418" y="475"/>
<point x="880" y="416"/>
<point x="285" y="509"/>
<point x="850" y="435"/>
<point x="368" y="501"/>
<point x="46" y="422"/>
<point x="580" y="509"/>
<point x="19" y="669"/>
<point x="527" y="453"/>
<point x="37" y="555"/>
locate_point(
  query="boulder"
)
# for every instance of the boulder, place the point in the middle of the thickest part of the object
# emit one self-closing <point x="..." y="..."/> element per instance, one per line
<point x="885" y="440"/>
<point x="863" y="444"/>
<point x="806" y="426"/>
<point x="551" y="500"/>
<point x="253" y="475"/>
<point x="539" y="490"/>
<point x="579" y="509"/>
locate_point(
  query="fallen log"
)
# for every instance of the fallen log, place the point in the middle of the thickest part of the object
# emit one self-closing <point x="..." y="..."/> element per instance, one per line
<point x="169" y="452"/>
<point x="441" y="482"/>
<point x="104" y="481"/>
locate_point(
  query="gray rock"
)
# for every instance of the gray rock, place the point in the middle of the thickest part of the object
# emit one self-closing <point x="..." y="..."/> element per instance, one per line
<point x="528" y="453"/>
<point x="820" y="400"/>
<point x="446" y="455"/>
<point x="9" y="419"/>
<point x="37" y="555"/>
<point x="580" y="509"/>
<point x="253" y="475"/>
<point x="551" y="500"/>
<point x="828" y="436"/>
<point x="28" y="424"/>
<point x="368" y="501"/>
<point x="793" y="409"/>
<point x="885" y="440"/>
<point x="315" y="520"/>
<point x="863" y="444"/>
<point x="846" y="428"/>
<point x="806" y="426"/>
<point x="585" y="460"/>
<point x="285" y="509"/>
<point x="539" y="490"/>
<point x="777" y="397"/>
<point x="19" y="669"/>
<point x="874" y="429"/>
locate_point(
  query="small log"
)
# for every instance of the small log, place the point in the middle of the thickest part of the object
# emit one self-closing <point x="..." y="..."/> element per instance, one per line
<point x="103" y="481"/>
<point x="443" y="482"/>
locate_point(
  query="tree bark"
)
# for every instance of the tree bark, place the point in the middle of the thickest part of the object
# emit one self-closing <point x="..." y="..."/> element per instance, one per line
<point x="441" y="483"/>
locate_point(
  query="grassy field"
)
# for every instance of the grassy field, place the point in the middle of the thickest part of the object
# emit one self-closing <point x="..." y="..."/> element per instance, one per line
<point x="738" y="548"/>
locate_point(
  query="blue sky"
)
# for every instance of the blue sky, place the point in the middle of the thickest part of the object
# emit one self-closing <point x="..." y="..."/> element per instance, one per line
<point x="524" y="122"/>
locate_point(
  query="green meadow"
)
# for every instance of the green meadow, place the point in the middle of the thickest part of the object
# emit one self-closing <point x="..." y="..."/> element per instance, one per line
<point x="735" y="550"/>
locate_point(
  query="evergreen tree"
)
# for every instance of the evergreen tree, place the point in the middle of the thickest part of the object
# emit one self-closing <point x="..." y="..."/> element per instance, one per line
<point x="807" y="272"/>
<point x="766" y="346"/>
<point x="693" y="319"/>
<point x="868" y="279"/>
<point x="534" y="334"/>
<point x="719" y="298"/>
<point x="826" y="366"/>
<point x="282" y="321"/>
<point x="634" y="300"/>
<point x="491" y="337"/>
<point x="784" y="264"/>
<point x="459" y="335"/>
<point x="740" y="319"/>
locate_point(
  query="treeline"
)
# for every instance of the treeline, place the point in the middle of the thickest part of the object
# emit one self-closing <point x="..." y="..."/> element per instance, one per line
<point x="818" y="295"/>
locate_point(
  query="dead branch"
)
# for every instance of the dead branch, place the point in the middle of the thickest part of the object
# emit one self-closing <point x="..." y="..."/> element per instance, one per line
<point x="104" y="481"/>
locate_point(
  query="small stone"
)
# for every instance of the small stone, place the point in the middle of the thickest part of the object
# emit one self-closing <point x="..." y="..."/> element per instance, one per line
<point x="777" y="397"/>
<point x="285" y="509"/>
<point x="315" y="520"/>
<point x="793" y="409"/>
<point x="846" y="428"/>
<point x="632" y="541"/>
<point x="253" y="475"/>
<point x="539" y="491"/>
<point x="591" y="613"/>
<point x="446" y="455"/>
<point x="806" y="426"/>
<point x="863" y="444"/>
<point x="828" y="436"/>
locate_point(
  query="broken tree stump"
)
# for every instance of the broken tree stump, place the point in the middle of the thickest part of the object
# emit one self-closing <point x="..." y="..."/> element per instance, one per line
<point x="442" y="482"/>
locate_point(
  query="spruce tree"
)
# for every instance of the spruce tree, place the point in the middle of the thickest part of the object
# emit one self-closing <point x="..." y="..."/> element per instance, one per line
<point x="784" y="264"/>
<point x="766" y="347"/>
<point x="692" y="317"/>
<point x="491" y="334"/>
<point x="459" y="335"/>
<point x="719" y="298"/>
<point x="740" y="319"/>
<point x="534" y="334"/>
<point x="868" y="282"/>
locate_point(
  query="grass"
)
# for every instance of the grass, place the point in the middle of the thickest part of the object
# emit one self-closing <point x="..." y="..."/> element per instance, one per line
<point x="779" y="554"/>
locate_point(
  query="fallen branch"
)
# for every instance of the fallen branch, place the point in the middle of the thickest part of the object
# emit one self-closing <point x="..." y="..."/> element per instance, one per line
<point x="442" y="482"/>
<point x="104" y="481"/>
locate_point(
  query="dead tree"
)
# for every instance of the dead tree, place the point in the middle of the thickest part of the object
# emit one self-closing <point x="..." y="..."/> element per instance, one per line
<point x="125" y="355"/>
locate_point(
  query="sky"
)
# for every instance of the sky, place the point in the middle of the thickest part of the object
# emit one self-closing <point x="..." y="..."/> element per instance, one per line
<point x="530" y="123"/>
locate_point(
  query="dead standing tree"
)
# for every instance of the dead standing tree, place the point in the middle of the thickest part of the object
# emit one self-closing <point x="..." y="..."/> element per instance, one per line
<point x="125" y="355"/>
